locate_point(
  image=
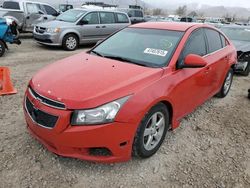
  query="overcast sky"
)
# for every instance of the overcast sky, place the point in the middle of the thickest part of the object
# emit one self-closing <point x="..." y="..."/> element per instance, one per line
<point x="232" y="3"/>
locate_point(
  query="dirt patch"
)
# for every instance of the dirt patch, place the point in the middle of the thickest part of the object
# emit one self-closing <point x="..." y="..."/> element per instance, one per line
<point x="210" y="149"/>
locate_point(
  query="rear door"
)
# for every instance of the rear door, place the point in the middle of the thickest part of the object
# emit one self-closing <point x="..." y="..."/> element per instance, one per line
<point x="108" y="23"/>
<point x="217" y="58"/>
<point x="91" y="29"/>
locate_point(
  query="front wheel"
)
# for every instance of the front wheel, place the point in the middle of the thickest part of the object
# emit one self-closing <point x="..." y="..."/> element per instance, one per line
<point x="151" y="132"/>
<point x="226" y="85"/>
<point x="2" y="48"/>
<point x="70" y="42"/>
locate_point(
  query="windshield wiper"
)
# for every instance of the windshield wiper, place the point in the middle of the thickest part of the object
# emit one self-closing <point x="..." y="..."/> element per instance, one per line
<point x="97" y="53"/>
<point x="125" y="60"/>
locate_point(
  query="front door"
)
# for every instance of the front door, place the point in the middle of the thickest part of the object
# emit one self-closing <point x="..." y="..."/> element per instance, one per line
<point x="194" y="83"/>
<point x="90" y="30"/>
<point x="34" y="16"/>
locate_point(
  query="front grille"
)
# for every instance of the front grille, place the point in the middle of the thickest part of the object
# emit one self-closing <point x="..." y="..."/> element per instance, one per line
<point x="41" y="118"/>
<point x="40" y="30"/>
<point x="46" y="101"/>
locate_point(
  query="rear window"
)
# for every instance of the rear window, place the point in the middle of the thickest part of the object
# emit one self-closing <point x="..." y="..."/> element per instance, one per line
<point x="138" y="14"/>
<point x="122" y="18"/>
<point x="11" y="5"/>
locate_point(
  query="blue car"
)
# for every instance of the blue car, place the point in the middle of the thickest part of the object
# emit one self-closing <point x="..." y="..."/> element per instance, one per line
<point x="8" y="34"/>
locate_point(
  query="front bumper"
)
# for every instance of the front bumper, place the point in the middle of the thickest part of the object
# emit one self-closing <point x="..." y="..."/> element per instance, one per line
<point x="241" y="66"/>
<point x="47" y="39"/>
<point x="78" y="141"/>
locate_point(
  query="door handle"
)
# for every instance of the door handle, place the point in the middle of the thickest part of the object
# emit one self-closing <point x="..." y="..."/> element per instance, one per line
<point x="104" y="26"/>
<point x="97" y="26"/>
<point x="45" y="18"/>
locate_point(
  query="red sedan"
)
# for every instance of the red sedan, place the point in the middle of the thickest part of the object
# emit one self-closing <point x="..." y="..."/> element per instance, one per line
<point x="123" y="96"/>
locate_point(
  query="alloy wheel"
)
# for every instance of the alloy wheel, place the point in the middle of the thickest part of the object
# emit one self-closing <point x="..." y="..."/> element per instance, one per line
<point x="154" y="131"/>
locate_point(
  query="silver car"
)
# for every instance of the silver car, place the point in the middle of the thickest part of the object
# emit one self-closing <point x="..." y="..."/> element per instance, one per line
<point x="80" y="26"/>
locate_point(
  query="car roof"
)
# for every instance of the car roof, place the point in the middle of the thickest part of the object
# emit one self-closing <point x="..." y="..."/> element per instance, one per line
<point x="176" y="26"/>
<point x="99" y="10"/>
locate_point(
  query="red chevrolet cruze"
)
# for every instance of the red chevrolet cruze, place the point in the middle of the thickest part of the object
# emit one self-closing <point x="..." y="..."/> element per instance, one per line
<point x="120" y="98"/>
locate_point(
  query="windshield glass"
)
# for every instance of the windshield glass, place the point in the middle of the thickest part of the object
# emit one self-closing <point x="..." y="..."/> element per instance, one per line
<point x="70" y="16"/>
<point x="146" y="47"/>
<point x="242" y="34"/>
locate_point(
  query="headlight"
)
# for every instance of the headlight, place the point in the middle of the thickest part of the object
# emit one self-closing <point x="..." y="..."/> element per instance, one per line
<point x="9" y="21"/>
<point x="99" y="115"/>
<point x="53" y="30"/>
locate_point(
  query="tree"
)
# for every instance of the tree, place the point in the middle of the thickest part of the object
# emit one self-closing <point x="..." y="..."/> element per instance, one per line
<point x="181" y="11"/>
<point x="193" y="14"/>
<point x="157" y="12"/>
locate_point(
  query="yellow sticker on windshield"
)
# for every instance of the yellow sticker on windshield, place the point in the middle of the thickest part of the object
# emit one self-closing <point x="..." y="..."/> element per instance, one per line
<point x="157" y="52"/>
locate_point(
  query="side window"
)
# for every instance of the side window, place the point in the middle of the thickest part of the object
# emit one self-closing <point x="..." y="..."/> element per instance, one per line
<point x="107" y="17"/>
<point x="122" y="18"/>
<point x="195" y="45"/>
<point x="223" y="40"/>
<point x="50" y="11"/>
<point x="91" y="18"/>
<point x="131" y="13"/>
<point x="138" y="14"/>
<point x="33" y="8"/>
<point x="11" y="5"/>
<point x="214" y="40"/>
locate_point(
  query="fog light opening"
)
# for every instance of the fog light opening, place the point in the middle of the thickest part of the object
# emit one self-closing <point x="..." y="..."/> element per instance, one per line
<point x="100" y="152"/>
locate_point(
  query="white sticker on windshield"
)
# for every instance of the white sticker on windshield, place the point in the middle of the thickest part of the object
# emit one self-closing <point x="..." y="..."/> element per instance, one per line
<point x="157" y="52"/>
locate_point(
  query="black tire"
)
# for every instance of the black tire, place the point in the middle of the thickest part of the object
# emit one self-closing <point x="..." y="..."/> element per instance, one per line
<point x="2" y="48"/>
<point x="225" y="88"/>
<point x="247" y="71"/>
<point x="70" y="42"/>
<point x="139" y="148"/>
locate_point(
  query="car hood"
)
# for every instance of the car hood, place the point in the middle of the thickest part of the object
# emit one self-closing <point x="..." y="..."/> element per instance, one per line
<point x="241" y="45"/>
<point x="86" y="81"/>
<point x="54" y="24"/>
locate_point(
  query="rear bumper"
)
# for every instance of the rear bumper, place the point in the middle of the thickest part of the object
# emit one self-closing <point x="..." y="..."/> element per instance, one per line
<point x="47" y="39"/>
<point x="79" y="141"/>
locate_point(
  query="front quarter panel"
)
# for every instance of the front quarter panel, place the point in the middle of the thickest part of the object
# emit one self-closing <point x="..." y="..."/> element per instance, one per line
<point x="67" y="30"/>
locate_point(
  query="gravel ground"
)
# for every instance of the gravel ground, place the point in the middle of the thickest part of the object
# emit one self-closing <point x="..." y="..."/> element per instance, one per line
<point x="210" y="149"/>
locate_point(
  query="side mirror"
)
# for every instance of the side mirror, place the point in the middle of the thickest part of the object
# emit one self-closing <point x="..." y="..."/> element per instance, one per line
<point x="40" y="12"/>
<point x="98" y="42"/>
<point x="82" y="22"/>
<point x="130" y="15"/>
<point x="56" y="14"/>
<point x="194" y="61"/>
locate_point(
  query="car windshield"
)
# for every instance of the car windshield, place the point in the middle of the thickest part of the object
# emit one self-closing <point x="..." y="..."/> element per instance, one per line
<point x="242" y="34"/>
<point x="71" y="15"/>
<point x="145" y="47"/>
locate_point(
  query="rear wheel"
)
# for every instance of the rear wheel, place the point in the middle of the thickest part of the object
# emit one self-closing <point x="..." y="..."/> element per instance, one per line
<point x="226" y="85"/>
<point x="151" y="132"/>
<point x="70" y="42"/>
<point x="2" y="48"/>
